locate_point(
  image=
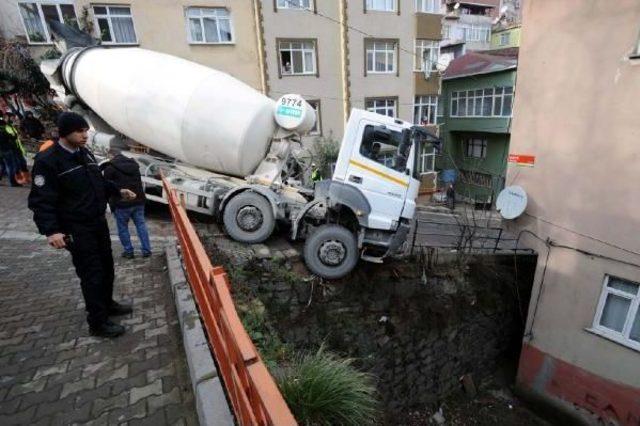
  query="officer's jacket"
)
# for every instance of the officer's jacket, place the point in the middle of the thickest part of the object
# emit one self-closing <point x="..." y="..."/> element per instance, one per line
<point x="67" y="188"/>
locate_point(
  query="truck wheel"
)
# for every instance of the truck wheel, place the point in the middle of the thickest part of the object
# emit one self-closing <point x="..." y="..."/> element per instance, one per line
<point x="331" y="251"/>
<point x="248" y="218"/>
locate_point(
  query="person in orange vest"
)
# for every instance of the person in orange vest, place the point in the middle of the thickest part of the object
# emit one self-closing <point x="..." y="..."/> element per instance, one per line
<point x="46" y="145"/>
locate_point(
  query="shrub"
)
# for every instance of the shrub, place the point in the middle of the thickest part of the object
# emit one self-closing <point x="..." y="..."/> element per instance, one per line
<point x="322" y="389"/>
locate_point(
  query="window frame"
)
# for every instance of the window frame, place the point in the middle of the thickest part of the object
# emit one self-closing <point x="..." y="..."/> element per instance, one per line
<point x="505" y="38"/>
<point x="108" y="16"/>
<point x="318" y="110"/>
<point x="190" y="39"/>
<point x="471" y="97"/>
<point x="427" y="153"/>
<point x="470" y="141"/>
<point x="420" y="6"/>
<point x="395" y="9"/>
<point x="622" y="337"/>
<point x="393" y="99"/>
<point x="276" y="7"/>
<point x="419" y="46"/>
<point x="471" y="29"/>
<point x="45" y="27"/>
<point x="395" y="60"/>
<point x="281" y="73"/>
<point x="417" y="103"/>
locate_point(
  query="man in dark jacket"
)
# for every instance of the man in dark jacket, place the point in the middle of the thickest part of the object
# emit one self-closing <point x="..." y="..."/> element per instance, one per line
<point x="69" y="198"/>
<point x="125" y="173"/>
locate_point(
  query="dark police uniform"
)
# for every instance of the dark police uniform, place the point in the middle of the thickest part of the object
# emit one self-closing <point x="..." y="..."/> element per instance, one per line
<point x="69" y="195"/>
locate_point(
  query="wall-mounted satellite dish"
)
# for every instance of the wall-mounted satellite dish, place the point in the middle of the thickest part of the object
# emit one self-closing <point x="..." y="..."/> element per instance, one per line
<point x="511" y="202"/>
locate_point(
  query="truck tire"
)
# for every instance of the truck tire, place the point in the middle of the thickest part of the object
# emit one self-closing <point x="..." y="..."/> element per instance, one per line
<point x="248" y="218"/>
<point x="331" y="251"/>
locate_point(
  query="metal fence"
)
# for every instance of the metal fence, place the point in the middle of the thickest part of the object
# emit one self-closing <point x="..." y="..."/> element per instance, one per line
<point x="254" y="395"/>
<point x="463" y="237"/>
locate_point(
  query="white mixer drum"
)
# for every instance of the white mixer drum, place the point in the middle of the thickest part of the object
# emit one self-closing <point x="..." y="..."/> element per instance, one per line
<point x="185" y="110"/>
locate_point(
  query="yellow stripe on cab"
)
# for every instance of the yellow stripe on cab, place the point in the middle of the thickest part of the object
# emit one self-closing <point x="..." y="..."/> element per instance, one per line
<point x="379" y="173"/>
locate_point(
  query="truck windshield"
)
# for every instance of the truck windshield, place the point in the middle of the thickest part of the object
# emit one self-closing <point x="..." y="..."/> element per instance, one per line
<point x="385" y="146"/>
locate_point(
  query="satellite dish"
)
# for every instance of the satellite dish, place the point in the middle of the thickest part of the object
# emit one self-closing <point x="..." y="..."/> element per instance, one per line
<point x="511" y="202"/>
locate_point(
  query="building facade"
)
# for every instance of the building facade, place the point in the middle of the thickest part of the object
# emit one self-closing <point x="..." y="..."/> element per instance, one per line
<point x="467" y="26"/>
<point x="216" y="33"/>
<point x="576" y="121"/>
<point x="475" y="125"/>
<point x="505" y="38"/>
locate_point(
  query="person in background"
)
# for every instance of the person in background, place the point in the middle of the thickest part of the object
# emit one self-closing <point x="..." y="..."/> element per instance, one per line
<point x="32" y="126"/>
<point x="315" y="173"/>
<point x="69" y="198"/>
<point x="23" y="175"/>
<point x="7" y="156"/>
<point x="451" y="197"/>
<point x="125" y="173"/>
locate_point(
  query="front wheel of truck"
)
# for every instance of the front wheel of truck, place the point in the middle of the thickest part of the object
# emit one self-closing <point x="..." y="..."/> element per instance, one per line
<point x="331" y="251"/>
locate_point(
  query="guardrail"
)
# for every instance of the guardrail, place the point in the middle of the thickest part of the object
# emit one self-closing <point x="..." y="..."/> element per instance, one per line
<point x="254" y="395"/>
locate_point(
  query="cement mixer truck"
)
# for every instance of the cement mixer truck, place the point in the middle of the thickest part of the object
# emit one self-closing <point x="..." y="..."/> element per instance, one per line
<point x="236" y="154"/>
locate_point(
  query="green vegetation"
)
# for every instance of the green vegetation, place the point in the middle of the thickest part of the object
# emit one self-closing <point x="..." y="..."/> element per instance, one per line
<point x="322" y="389"/>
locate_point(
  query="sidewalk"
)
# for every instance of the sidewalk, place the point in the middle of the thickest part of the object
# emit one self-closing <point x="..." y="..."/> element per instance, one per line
<point x="51" y="370"/>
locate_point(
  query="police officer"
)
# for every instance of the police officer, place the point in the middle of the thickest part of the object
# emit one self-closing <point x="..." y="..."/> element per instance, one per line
<point x="68" y="198"/>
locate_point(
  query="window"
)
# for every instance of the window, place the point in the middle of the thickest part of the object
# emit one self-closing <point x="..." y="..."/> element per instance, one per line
<point x="492" y="102"/>
<point x="317" y="128"/>
<point x="384" y="106"/>
<point x="382" y="145"/>
<point x="209" y="25"/>
<point x="35" y="15"/>
<point x="424" y="110"/>
<point x="381" y="57"/>
<point x="297" y="57"/>
<point x="428" y="6"/>
<point x="504" y="38"/>
<point x="476" y="148"/>
<point x="381" y="5"/>
<point x="475" y="33"/>
<point x="294" y="4"/>
<point x="115" y="24"/>
<point x="427" y="159"/>
<point x="617" y="315"/>
<point x="635" y="54"/>
<point x="426" y="56"/>
<point x="446" y="31"/>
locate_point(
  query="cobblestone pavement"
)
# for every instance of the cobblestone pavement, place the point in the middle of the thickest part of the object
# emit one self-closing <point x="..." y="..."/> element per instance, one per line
<point x="51" y="370"/>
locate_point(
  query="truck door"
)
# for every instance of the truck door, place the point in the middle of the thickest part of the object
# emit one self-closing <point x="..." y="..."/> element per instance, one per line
<point x="374" y="168"/>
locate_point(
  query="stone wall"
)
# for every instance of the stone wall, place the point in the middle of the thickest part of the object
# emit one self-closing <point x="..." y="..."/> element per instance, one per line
<point x="417" y="325"/>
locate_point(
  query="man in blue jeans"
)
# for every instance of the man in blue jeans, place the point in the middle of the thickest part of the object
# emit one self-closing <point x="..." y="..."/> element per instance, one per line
<point x="125" y="173"/>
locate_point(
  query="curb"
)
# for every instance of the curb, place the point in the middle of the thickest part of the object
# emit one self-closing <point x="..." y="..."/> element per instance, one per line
<point x="211" y="402"/>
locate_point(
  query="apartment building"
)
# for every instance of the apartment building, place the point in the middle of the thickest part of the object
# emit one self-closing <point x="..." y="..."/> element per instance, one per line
<point x="467" y="26"/>
<point x="379" y="55"/>
<point x="575" y="131"/>
<point x="217" y="33"/>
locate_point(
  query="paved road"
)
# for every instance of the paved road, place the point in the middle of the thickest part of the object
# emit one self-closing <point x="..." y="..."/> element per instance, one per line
<point x="51" y="370"/>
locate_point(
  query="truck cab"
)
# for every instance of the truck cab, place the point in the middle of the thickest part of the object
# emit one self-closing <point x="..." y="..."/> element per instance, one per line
<point x="367" y="206"/>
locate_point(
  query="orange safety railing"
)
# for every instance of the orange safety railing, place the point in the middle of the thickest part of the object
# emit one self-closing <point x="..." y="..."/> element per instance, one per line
<point x="255" y="398"/>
